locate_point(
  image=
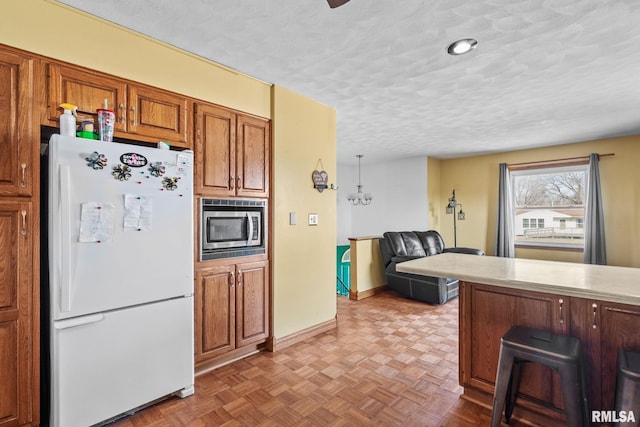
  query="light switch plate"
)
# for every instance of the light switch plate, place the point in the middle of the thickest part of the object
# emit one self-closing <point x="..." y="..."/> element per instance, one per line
<point x="313" y="219"/>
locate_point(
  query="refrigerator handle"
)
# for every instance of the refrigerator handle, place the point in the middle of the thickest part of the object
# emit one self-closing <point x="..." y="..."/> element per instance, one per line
<point x="250" y="229"/>
<point x="65" y="242"/>
<point x="78" y="321"/>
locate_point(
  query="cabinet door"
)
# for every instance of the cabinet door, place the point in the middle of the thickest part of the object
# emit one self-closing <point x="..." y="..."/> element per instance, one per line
<point x="215" y="151"/>
<point x="585" y="314"/>
<point x="16" y="145"/>
<point x="488" y="313"/>
<point x="88" y="90"/>
<point x="619" y="326"/>
<point x="17" y="386"/>
<point x="159" y="114"/>
<point x="214" y="312"/>
<point x="253" y="157"/>
<point x="252" y="303"/>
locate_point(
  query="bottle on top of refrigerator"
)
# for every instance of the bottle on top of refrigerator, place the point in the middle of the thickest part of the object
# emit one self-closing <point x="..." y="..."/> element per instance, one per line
<point x="68" y="120"/>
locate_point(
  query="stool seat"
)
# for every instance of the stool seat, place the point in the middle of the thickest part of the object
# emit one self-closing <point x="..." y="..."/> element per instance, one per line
<point x="561" y="353"/>
<point x="628" y="382"/>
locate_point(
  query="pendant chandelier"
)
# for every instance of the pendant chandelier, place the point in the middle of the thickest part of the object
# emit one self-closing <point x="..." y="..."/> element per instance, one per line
<point x="359" y="198"/>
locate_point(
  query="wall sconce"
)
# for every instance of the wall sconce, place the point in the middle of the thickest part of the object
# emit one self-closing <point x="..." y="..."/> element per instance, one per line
<point x="452" y="206"/>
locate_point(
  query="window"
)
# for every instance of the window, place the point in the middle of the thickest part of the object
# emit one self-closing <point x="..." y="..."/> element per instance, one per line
<point x="533" y="222"/>
<point x="549" y="205"/>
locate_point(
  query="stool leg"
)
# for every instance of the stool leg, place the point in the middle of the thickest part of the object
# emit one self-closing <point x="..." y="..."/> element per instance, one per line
<point x="573" y="396"/>
<point x="512" y="390"/>
<point x="584" y="400"/>
<point x="503" y="376"/>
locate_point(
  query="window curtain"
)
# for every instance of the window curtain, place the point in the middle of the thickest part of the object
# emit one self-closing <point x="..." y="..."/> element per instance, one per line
<point x="594" y="245"/>
<point x="505" y="236"/>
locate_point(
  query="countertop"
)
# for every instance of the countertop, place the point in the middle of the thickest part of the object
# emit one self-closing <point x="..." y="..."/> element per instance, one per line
<point x="605" y="283"/>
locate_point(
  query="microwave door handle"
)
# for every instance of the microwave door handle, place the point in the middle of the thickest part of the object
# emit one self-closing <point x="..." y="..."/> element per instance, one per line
<point x="250" y="229"/>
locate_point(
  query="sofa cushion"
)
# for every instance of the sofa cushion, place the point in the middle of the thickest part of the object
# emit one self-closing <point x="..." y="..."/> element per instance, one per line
<point x="405" y="243"/>
<point x="431" y="242"/>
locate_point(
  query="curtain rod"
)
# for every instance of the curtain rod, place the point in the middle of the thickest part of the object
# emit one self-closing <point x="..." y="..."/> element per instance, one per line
<point x="558" y="160"/>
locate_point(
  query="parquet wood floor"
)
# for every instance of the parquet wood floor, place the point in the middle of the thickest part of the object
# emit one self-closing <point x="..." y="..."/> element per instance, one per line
<point x="390" y="362"/>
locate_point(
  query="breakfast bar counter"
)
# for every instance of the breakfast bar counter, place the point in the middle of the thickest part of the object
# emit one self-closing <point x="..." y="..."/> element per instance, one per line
<point x="599" y="305"/>
<point x="607" y="283"/>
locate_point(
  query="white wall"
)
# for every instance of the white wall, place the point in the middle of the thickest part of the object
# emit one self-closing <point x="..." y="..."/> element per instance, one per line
<point x="399" y="203"/>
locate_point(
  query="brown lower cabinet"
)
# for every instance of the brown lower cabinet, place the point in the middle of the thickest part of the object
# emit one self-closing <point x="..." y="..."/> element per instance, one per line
<point x="487" y="312"/>
<point x="231" y="308"/>
<point x="18" y="390"/>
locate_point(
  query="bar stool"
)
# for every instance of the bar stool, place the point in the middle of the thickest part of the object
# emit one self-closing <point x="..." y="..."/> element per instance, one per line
<point x="628" y="382"/>
<point x="561" y="353"/>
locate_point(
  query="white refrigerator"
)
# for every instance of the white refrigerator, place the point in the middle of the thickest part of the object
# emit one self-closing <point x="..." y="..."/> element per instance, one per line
<point x="120" y="278"/>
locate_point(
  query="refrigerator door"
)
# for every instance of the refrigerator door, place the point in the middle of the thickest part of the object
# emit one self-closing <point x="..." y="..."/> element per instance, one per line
<point x="109" y="363"/>
<point x="120" y="225"/>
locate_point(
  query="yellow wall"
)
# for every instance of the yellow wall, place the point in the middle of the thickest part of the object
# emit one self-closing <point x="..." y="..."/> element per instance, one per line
<point x="304" y="273"/>
<point x="475" y="180"/>
<point x="57" y="31"/>
<point x="304" y="262"/>
<point x="367" y="270"/>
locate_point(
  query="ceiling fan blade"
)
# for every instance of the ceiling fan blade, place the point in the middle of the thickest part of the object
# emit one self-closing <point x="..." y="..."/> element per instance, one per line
<point x="336" y="3"/>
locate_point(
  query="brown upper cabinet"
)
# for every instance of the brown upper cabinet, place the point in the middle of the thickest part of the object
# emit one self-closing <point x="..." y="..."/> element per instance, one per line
<point x="142" y="112"/>
<point x="16" y="146"/>
<point x="252" y="156"/>
<point x="234" y="153"/>
<point x="158" y="113"/>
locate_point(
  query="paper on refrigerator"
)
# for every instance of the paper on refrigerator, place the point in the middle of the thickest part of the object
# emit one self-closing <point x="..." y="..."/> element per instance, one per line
<point x="137" y="213"/>
<point x="96" y="222"/>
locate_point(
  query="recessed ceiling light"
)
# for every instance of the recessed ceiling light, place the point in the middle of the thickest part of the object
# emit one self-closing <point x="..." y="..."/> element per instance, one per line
<point x="462" y="46"/>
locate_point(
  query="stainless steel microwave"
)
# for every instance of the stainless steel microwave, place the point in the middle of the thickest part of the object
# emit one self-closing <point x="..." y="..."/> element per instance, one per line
<point x="232" y="227"/>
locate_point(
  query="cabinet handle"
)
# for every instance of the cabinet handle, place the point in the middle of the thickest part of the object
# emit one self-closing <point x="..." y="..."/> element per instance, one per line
<point x="239" y="277"/>
<point x="594" y="306"/>
<point x="232" y="183"/>
<point x="232" y="279"/>
<point x="133" y="116"/>
<point x="561" y="301"/>
<point x="24" y="223"/>
<point x="121" y="108"/>
<point x="24" y="182"/>
<point x="239" y="181"/>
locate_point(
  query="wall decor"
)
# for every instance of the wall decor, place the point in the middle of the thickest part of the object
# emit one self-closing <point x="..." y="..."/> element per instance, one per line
<point x="320" y="178"/>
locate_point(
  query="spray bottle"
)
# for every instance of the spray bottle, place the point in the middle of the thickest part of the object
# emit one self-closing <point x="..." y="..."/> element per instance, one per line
<point x="68" y="120"/>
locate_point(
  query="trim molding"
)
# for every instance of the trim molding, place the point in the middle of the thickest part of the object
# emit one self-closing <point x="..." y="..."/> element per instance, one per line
<point x="227" y="358"/>
<point x="357" y="296"/>
<point x="280" y="343"/>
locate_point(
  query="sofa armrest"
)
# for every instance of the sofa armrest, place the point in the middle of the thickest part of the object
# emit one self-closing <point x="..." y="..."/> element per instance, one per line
<point x="469" y="251"/>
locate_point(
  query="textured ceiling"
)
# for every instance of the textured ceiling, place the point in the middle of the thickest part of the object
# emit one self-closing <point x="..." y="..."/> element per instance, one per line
<point x="545" y="72"/>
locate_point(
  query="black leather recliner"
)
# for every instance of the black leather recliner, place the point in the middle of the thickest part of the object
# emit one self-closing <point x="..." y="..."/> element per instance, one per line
<point x="400" y="246"/>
